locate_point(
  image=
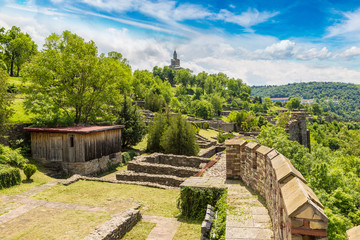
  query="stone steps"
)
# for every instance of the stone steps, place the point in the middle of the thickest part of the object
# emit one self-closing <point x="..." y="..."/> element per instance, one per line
<point x="166" y="180"/>
<point x="153" y="168"/>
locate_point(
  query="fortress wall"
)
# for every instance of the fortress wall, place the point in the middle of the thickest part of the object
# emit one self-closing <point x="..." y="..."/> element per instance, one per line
<point x="295" y="210"/>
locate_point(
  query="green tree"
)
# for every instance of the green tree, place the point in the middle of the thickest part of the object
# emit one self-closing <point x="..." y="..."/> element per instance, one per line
<point x="183" y="77"/>
<point x="293" y="103"/>
<point x="200" y="80"/>
<point x="18" y="48"/>
<point x="217" y="104"/>
<point x="316" y="109"/>
<point x="283" y="119"/>
<point x="135" y="128"/>
<point x="201" y="108"/>
<point x="68" y="80"/>
<point x="5" y="101"/>
<point x="156" y="130"/>
<point x="179" y="138"/>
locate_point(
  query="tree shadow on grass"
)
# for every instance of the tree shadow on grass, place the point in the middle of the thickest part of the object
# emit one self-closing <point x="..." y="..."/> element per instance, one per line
<point x="27" y="181"/>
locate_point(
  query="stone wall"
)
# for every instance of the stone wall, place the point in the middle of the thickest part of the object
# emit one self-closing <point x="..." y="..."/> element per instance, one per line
<point x="91" y="167"/>
<point x="295" y="210"/>
<point x="15" y="132"/>
<point x="211" y="151"/>
<point x="296" y="127"/>
<point x="174" y="160"/>
<point x="116" y="227"/>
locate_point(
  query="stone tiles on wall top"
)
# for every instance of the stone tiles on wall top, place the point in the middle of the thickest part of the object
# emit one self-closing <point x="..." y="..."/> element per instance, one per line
<point x="264" y="150"/>
<point x="283" y="169"/>
<point x="235" y="141"/>
<point x="301" y="202"/>
<point x="353" y="233"/>
<point x="252" y="145"/>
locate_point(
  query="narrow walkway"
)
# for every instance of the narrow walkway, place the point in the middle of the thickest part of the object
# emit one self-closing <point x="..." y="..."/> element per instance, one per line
<point x="165" y="228"/>
<point x="247" y="217"/>
<point x="35" y="190"/>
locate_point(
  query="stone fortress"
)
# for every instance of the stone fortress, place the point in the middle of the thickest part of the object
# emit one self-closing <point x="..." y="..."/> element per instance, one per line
<point x="175" y="62"/>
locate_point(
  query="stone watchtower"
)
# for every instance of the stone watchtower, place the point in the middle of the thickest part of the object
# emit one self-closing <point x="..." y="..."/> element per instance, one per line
<point x="296" y="127"/>
<point x="175" y="62"/>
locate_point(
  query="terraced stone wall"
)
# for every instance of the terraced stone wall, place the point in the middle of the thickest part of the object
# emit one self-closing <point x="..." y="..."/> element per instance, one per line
<point x="295" y="210"/>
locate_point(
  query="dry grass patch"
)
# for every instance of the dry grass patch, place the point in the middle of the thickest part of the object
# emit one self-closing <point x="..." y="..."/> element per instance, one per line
<point x="208" y="133"/>
<point x="140" y="232"/>
<point x="51" y="223"/>
<point x="154" y="201"/>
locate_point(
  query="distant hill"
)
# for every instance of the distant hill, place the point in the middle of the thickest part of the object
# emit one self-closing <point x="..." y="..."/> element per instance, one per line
<point x="339" y="99"/>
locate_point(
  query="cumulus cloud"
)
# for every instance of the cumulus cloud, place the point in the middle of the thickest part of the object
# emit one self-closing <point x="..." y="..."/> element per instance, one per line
<point x="349" y="53"/>
<point x="280" y="50"/>
<point x="314" y="53"/>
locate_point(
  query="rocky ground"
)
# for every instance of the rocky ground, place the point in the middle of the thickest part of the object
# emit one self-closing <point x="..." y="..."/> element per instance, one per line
<point x="218" y="169"/>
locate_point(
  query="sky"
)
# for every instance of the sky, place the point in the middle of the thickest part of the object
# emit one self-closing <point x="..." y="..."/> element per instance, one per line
<point x="262" y="42"/>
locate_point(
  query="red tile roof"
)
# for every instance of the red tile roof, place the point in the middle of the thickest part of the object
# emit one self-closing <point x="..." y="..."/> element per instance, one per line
<point x="75" y="129"/>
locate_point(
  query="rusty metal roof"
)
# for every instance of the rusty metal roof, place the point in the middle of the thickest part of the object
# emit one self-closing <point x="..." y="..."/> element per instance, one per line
<point x="74" y="129"/>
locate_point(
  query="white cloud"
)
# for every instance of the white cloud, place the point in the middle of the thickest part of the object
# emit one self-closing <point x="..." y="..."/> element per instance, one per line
<point x="348" y="27"/>
<point x="246" y="19"/>
<point x="349" y="53"/>
<point x="314" y="53"/>
<point x="280" y="50"/>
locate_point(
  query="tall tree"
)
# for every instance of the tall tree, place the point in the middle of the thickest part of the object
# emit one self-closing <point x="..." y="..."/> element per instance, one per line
<point x="5" y="100"/>
<point x="18" y="48"/>
<point x="68" y="80"/>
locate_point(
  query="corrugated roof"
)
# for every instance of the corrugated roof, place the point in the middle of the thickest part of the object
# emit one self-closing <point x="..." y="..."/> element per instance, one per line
<point x="283" y="168"/>
<point x="296" y="195"/>
<point x="75" y="129"/>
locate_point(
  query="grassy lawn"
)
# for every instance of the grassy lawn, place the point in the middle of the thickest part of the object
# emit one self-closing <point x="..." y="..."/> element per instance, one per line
<point x="208" y="133"/>
<point x="142" y="145"/>
<point x="140" y="231"/>
<point x="188" y="230"/>
<point x="157" y="202"/>
<point x="51" y="223"/>
<point x="20" y="116"/>
<point x="38" y="178"/>
<point x="6" y="207"/>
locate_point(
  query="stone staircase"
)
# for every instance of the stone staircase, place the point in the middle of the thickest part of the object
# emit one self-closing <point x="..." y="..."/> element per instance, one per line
<point x="204" y="142"/>
<point x="163" y="169"/>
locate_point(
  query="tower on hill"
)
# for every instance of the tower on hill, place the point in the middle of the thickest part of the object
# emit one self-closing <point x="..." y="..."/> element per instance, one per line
<point x="175" y="62"/>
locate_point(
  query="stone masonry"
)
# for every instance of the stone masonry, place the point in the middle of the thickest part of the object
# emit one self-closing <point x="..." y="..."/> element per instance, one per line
<point x="297" y="128"/>
<point x="295" y="210"/>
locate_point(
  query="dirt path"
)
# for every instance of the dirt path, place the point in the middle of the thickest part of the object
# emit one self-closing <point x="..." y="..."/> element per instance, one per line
<point x="165" y="228"/>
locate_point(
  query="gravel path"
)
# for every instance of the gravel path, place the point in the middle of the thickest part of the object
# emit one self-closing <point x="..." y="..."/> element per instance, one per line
<point x="218" y="169"/>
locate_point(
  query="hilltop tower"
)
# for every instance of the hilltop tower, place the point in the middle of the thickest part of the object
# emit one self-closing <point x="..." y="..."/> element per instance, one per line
<point x="175" y="62"/>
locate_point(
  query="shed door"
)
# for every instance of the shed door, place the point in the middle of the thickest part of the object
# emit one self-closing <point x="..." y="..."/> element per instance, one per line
<point x="56" y="148"/>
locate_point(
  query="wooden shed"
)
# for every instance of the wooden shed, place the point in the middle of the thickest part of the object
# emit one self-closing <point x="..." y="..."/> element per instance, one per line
<point x="77" y="149"/>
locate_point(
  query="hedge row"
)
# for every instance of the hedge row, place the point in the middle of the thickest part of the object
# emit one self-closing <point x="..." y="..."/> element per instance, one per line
<point x="9" y="176"/>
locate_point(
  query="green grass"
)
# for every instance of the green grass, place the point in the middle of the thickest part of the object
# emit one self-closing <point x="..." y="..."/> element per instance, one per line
<point x="20" y="116"/>
<point x="208" y="133"/>
<point x="154" y="201"/>
<point x="52" y="223"/>
<point x="188" y="230"/>
<point x="38" y="178"/>
<point x="140" y="231"/>
<point x="142" y="145"/>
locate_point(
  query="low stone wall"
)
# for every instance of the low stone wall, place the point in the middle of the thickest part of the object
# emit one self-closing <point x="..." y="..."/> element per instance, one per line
<point x="295" y="210"/>
<point x="166" y="180"/>
<point x="116" y="227"/>
<point x="173" y="160"/>
<point x="91" y="167"/>
<point x="153" y="168"/>
<point x="15" y="132"/>
<point x="211" y="151"/>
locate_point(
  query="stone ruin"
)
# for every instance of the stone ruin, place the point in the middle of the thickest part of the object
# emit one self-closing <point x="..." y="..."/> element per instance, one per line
<point x="295" y="210"/>
<point x="296" y="127"/>
<point x="164" y="169"/>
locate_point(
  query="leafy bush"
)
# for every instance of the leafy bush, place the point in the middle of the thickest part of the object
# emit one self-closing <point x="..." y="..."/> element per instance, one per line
<point x="192" y="202"/>
<point x="206" y="125"/>
<point x="219" y="225"/>
<point x="221" y="137"/>
<point x="9" y="176"/>
<point x="133" y="154"/>
<point x="11" y="157"/>
<point x="29" y="170"/>
<point x="126" y="157"/>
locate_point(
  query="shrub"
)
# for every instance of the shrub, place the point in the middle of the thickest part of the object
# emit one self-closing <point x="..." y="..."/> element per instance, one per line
<point x="12" y="157"/>
<point x="133" y="154"/>
<point x="9" y="176"/>
<point x="192" y="202"/>
<point x="206" y="125"/>
<point x="126" y="157"/>
<point x="219" y="225"/>
<point x="29" y="170"/>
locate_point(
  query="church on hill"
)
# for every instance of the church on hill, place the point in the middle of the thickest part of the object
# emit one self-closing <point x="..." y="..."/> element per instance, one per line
<point x="175" y="62"/>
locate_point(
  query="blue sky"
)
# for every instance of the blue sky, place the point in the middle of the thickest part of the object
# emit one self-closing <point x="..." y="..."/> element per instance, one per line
<point x="262" y="42"/>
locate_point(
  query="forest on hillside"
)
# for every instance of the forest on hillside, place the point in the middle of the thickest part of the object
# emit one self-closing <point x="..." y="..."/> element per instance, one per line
<point x="341" y="100"/>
